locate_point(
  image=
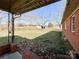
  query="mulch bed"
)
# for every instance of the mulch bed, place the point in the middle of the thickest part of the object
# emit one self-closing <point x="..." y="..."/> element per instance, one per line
<point x="29" y="48"/>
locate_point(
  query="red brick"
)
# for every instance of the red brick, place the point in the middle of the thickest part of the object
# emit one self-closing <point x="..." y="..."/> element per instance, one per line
<point x="13" y="47"/>
<point x="73" y="37"/>
<point x="4" y="49"/>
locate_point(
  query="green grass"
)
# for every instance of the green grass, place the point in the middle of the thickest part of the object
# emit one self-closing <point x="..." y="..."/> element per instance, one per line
<point x="42" y="39"/>
<point x="3" y="41"/>
<point x="22" y="34"/>
<point x="52" y="40"/>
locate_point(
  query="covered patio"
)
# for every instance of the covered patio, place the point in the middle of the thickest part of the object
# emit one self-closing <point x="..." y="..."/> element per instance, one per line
<point x="16" y="8"/>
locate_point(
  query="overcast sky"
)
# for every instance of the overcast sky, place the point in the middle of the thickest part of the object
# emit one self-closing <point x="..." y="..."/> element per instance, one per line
<point x="51" y="13"/>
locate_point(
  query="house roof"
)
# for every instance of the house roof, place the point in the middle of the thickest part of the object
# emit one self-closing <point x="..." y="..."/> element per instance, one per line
<point x="21" y="6"/>
<point x="70" y="8"/>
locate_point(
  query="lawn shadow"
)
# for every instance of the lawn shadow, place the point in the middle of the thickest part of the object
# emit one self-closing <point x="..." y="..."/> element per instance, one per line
<point x="52" y="40"/>
<point x="4" y="40"/>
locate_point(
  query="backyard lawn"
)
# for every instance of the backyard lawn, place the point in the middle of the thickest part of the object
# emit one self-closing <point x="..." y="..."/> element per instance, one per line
<point x="40" y="41"/>
<point x="23" y="32"/>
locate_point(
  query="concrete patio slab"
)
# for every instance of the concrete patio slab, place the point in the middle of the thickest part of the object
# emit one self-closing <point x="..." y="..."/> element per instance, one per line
<point x="15" y="55"/>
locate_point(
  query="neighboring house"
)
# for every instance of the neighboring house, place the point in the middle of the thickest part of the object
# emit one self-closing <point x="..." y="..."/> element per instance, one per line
<point x="70" y="24"/>
<point x="56" y="27"/>
<point x="38" y="26"/>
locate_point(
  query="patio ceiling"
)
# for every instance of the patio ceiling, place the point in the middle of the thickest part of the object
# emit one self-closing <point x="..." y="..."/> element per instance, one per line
<point x="21" y="6"/>
<point x="70" y="8"/>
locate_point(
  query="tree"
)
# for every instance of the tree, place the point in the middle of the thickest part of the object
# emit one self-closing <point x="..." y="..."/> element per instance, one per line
<point x="45" y="20"/>
<point x="20" y="25"/>
<point x="50" y="25"/>
<point x="0" y="21"/>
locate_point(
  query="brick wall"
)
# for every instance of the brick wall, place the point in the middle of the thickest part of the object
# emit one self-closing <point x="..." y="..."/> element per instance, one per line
<point x="73" y="37"/>
<point x="4" y="49"/>
<point x="7" y="48"/>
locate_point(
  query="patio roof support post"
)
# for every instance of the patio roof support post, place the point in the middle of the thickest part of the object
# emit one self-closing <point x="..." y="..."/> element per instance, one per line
<point x="13" y="29"/>
<point x="8" y="27"/>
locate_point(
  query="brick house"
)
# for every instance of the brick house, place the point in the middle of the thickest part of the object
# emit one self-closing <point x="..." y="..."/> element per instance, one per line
<point x="70" y="24"/>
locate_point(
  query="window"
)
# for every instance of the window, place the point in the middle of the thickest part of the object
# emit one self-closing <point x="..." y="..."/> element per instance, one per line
<point x="72" y="24"/>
